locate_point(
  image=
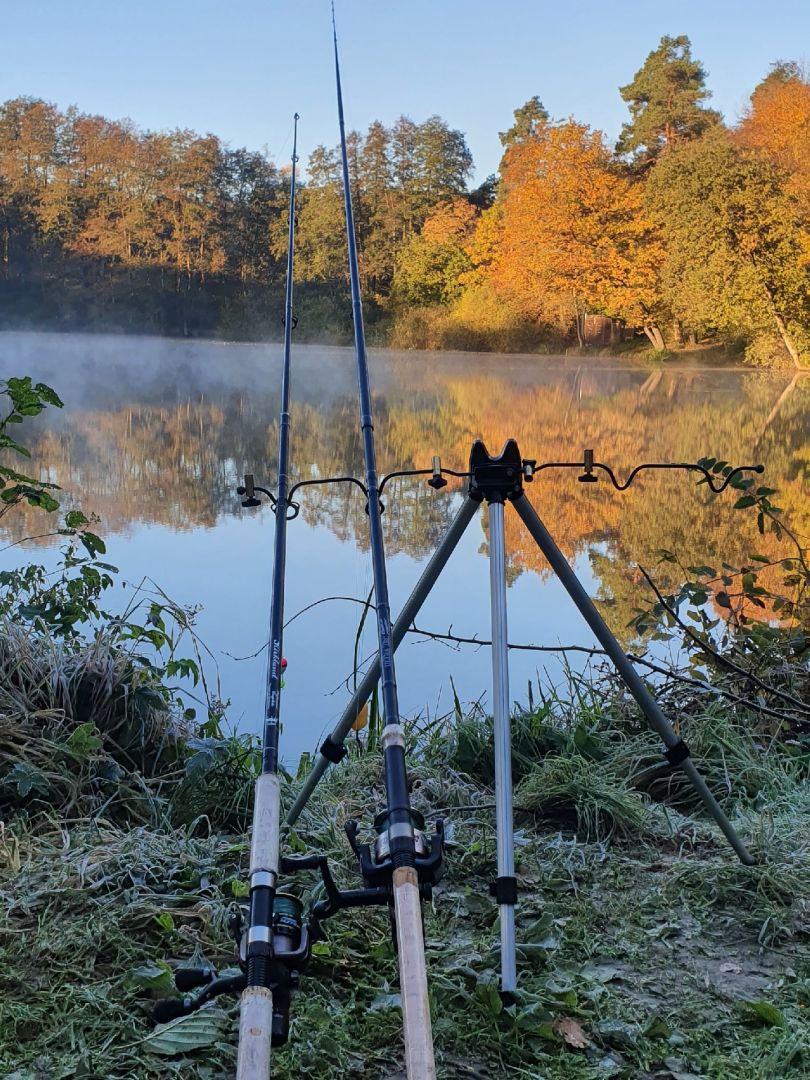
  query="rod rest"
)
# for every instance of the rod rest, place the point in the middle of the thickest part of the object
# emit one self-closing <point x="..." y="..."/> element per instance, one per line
<point x="380" y="873"/>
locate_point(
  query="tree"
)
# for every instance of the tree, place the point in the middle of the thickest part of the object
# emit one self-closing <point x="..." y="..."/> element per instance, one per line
<point x="430" y="266"/>
<point x="375" y="182"/>
<point x="736" y="249"/>
<point x="529" y="118"/>
<point x="573" y="234"/>
<point x="777" y="125"/>
<point x="430" y="162"/>
<point x="666" y="102"/>
<point x="321" y="245"/>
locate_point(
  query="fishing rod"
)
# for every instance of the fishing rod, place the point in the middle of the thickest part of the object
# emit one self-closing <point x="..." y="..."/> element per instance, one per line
<point x="398" y="836"/>
<point x="273" y="916"/>
<point x="275" y="946"/>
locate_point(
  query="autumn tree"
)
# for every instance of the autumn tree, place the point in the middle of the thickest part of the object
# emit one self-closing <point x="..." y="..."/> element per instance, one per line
<point x="777" y="125"/>
<point x="573" y="236"/>
<point x="666" y="100"/>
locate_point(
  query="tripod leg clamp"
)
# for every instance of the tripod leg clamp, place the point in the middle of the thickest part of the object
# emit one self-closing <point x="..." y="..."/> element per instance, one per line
<point x="504" y="889"/>
<point x="332" y="751"/>
<point x="676" y="755"/>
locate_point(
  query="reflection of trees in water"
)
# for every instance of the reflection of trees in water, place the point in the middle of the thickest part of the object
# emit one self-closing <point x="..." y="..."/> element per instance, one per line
<point x="178" y="464"/>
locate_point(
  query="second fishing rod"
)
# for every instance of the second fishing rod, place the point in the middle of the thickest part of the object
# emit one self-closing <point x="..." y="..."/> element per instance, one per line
<point x="398" y="838"/>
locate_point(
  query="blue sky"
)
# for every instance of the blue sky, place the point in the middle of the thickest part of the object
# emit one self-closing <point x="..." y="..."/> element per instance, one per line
<point x="241" y="68"/>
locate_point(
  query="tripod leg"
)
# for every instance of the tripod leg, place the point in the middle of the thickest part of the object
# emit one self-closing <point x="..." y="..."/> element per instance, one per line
<point x="676" y="751"/>
<point x="332" y="749"/>
<point x="505" y="885"/>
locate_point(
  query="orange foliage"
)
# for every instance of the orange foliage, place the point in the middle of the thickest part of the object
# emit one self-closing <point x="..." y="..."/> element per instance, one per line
<point x="573" y="234"/>
<point x="449" y="221"/>
<point x="778" y="125"/>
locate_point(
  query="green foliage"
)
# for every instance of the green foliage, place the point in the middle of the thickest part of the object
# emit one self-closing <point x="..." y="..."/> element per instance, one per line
<point x="528" y="118"/>
<point x="666" y="102"/>
<point x="25" y="399"/>
<point x="734" y="259"/>
<point x="107" y="905"/>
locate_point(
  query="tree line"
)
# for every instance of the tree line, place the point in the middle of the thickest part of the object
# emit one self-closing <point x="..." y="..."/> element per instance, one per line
<point x="687" y="230"/>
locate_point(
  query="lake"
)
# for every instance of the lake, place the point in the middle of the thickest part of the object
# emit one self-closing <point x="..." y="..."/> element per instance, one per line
<point x="156" y="434"/>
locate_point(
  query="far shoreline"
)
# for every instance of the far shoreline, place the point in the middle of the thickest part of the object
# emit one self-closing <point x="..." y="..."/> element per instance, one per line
<point x="709" y="357"/>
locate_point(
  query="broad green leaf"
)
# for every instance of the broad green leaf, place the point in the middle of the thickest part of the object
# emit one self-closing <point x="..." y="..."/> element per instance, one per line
<point x="181" y="1036"/>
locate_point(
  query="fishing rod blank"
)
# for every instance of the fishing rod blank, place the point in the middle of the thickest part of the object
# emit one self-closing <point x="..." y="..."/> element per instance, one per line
<point x="275" y="923"/>
<point x="397" y="839"/>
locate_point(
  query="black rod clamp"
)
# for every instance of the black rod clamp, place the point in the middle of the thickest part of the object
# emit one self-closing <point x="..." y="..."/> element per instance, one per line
<point x="437" y="481"/>
<point x="677" y="753"/>
<point x="332" y="751"/>
<point x="588" y="476"/>
<point x="249" y="489"/>
<point x="504" y="889"/>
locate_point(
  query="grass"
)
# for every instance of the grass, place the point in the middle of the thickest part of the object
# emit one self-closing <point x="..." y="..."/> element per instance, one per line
<point x="646" y="950"/>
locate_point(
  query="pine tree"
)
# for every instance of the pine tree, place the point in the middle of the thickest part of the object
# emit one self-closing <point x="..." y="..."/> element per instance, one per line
<point x="528" y="118"/>
<point x="666" y="102"/>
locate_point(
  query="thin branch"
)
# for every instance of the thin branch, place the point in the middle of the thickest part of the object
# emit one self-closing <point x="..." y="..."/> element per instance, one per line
<point x="457" y="639"/>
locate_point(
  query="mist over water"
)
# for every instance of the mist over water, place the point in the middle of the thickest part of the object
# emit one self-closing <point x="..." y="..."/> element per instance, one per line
<point x="156" y="434"/>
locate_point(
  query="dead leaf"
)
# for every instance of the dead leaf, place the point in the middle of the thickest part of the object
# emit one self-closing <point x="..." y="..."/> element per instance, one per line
<point x="571" y="1032"/>
<point x="733" y="969"/>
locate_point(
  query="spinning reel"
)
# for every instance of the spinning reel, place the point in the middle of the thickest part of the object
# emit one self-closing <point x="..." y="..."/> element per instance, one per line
<point x="290" y="950"/>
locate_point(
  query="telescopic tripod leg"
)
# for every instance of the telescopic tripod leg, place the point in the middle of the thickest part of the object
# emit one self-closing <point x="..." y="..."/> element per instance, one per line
<point x="676" y="752"/>
<point x="332" y="749"/>
<point x="505" y="886"/>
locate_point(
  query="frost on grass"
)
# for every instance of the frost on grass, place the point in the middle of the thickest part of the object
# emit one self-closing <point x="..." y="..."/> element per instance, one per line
<point x="645" y="949"/>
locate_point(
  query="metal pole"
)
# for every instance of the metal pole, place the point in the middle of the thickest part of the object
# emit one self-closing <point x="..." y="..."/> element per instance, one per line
<point x="256" y="1005"/>
<point x="419" y="1063"/>
<point x="629" y="675"/>
<point x="332" y="748"/>
<point x="503" y="747"/>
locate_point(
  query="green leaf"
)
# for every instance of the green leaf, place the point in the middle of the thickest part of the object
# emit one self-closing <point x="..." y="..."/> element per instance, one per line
<point x="84" y="739"/>
<point x="165" y="921"/>
<point x="763" y="1012"/>
<point x="238" y="888"/>
<point x="744" y="502"/>
<point x="203" y="1028"/>
<point x="158" y="976"/>
<point x="487" y="994"/>
<point x="49" y="395"/>
<point x="26" y="778"/>
<point x="94" y="544"/>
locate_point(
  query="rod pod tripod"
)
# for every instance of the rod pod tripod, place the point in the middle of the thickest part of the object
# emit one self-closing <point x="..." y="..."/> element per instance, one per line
<point x="499" y="481"/>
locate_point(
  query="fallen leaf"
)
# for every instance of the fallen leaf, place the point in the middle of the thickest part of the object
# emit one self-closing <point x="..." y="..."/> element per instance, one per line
<point x="603" y="973"/>
<point x="187" y="1033"/>
<point x="735" y="969"/>
<point x="571" y="1032"/>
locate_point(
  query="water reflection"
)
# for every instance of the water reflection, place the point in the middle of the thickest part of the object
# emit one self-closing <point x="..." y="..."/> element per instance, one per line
<point x="155" y="435"/>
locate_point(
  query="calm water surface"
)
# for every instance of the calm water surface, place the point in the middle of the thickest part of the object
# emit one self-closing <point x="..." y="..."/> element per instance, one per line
<point x="156" y="434"/>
